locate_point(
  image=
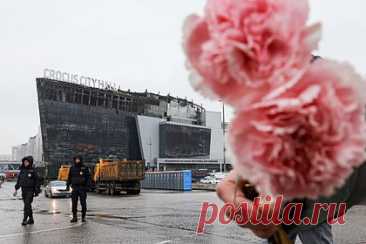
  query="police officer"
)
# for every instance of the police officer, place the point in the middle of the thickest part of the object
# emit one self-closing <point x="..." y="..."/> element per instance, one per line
<point x="28" y="181"/>
<point x="79" y="180"/>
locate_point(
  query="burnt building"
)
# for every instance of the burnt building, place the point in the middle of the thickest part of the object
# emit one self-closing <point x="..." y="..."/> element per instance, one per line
<point x="100" y="123"/>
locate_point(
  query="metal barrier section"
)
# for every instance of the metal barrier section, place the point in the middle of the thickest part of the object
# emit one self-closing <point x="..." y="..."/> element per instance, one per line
<point x="168" y="180"/>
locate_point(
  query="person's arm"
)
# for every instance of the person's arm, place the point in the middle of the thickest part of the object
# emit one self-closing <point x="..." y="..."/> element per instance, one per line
<point x="68" y="183"/>
<point x="17" y="185"/>
<point x="87" y="177"/>
<point x="229" y="190"/>
<point x="358" y="194"/>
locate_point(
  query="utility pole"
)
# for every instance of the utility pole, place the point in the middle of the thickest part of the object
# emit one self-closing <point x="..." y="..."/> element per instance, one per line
<point x="223" y="131"/>
<point x="150" y="145"/>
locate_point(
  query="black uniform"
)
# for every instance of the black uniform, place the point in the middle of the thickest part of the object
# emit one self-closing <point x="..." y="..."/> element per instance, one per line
<point x="28" y="181"/>
<point x="79" y="179"/>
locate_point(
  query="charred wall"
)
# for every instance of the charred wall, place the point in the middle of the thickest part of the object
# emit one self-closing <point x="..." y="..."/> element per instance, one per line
<point x="179" y="141"/>
<point x="75" y="128"/>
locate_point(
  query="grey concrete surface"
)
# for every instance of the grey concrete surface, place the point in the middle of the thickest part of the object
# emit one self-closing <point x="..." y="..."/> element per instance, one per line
<point x="156" y="217"/>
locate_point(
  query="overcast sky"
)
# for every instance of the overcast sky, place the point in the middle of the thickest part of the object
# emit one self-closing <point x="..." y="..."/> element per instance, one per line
<point x="136" y="43"/>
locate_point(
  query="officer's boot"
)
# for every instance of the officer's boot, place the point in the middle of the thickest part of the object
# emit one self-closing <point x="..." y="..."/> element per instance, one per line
<point x="83" y="219"/>
<point x="30" y="220"/>
<point x="25" y="222"/>
<point x="74" y="218"/>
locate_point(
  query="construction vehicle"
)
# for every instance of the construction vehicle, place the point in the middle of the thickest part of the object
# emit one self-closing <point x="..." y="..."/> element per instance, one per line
<point x="113" y="176"/>
<point x="63" y="172"/>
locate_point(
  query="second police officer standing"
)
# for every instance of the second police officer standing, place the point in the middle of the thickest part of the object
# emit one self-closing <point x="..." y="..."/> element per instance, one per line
<point x="79" y="180"/>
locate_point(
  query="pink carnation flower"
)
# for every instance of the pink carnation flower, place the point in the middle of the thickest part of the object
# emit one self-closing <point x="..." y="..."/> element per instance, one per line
<point x="239" y="46"/>
<point x="306" y="140"/>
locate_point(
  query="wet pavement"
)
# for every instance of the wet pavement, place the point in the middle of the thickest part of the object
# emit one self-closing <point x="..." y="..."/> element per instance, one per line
<point x="156" y="217"/>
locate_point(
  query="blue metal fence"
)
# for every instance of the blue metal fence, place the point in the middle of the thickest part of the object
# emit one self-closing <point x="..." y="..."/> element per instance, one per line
<point x="168" y="180"/>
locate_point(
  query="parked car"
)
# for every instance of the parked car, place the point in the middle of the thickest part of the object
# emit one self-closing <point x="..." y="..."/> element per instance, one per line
<point x="213" y="178"/>
<point x="56" y="189"/>
<point x="219" y="177"/>
<point x="208" y="180"/>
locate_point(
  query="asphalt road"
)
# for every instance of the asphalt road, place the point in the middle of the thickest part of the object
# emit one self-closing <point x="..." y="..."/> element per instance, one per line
<point x="156" y="217"/>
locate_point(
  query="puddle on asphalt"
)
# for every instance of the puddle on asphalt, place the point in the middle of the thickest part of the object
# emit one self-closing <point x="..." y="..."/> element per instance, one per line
<point x="98" y="210"/>
<point x="42" y="212"/>
<point x="110" y="216"/>
<point x="9" y="209"/>
<point x="10" y="199"/>
<point x="48" y="212"/>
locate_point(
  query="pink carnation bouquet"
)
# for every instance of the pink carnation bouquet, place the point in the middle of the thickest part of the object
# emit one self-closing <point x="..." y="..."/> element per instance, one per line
<point x="299" y="126"/>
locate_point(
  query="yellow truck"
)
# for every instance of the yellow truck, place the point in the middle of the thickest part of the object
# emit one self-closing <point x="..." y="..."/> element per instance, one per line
<point x="63" y="172"/>
<point x="113" y="176"/>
